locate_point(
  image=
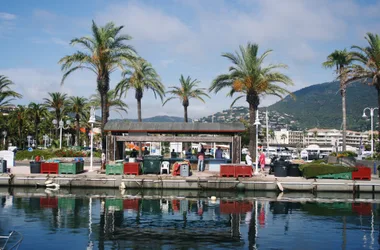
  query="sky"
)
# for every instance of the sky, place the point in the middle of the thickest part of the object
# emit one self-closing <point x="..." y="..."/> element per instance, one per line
<point x="178" y="37"/>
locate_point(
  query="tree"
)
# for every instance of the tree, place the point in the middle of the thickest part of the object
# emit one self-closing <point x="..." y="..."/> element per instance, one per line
<point x="252" y="79"/>
<point x="103" y="53"/>
<point x="37" y="112"/>
<point x="114" y="103"/>
<point x="142" y="77"/>
<point x="341" y="59"/>
<point x="6" y="93"/>
<point x="57" y="103"/>
<point x="368" y="69"/>
<point x="185" y="92"/>
<point x="77" y="105"/>
<point x="18" y="119"/>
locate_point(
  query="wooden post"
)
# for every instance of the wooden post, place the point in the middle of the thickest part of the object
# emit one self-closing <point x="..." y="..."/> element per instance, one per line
<point x="236" y="149"/>
<point x="110" y="148"/>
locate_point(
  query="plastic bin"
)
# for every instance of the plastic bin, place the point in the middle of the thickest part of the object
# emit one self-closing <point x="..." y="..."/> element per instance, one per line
<point x="184" y="170"/>
<point x="280" y="169"/>
<point x="3" y="166"/>
<point x="70" y="168"/>
<point x="227" y="170"/>
<point x="114" y="169"/>
<point x="35" y="167"/>
<point x="293" y="170"/>
<point x="132" y="168"/>
<point x="49" y="168"/>
<point x="152" y="164"/>
<point x="344" y="176"/>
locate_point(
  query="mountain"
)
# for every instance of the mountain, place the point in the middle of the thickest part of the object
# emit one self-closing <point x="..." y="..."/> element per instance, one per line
<point x="319" y="105"/>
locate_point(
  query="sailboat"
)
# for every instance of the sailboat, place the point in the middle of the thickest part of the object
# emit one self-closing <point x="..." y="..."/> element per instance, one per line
<point x="11" y="241"/>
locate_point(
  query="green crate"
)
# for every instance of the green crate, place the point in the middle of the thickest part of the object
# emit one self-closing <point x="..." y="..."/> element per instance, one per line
<point x="114" y="169"/>
<point x="70" y="168"/>
<point x="345" y="176"/>
<point x="114" y="204"/>
<point x="66" y="203"/>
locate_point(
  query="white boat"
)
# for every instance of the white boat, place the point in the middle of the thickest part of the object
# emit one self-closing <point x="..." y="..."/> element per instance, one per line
<point x="11" y="241"/>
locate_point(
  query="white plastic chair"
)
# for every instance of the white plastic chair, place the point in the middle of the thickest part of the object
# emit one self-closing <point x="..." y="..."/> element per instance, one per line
<point x="165" y="166"/>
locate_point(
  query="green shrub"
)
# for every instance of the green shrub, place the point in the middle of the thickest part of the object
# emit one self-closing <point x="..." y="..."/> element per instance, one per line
<point x="26" y="155"/>
<point x="319" y="161"/>
<point x="333" y="154"/>
<point x="311" y="170"/>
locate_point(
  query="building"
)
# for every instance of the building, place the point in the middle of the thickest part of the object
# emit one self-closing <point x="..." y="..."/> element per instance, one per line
<point x="321" y="137"/>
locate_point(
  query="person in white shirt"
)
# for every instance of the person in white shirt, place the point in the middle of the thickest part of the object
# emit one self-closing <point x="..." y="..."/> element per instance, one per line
<point x="248" y="159"/>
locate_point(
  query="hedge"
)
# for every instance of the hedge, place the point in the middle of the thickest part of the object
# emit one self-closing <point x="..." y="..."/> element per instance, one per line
<point x="48" y="154"/>
<point x="311" y="170"/>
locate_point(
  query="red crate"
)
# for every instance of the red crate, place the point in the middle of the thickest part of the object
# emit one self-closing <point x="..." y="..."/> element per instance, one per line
<point x="49" y="167"/>
<point x="227" y="207"/>
<point x="362" y="208"/>
<point x="243" y="171"/>
<point x="363" y="173"/>
<point x="227" y="170"/>
<point x="48" y="202"/>
<point x="132" y="168"/>
<point x="131" y="204"/>
<point x="175" y="205"/>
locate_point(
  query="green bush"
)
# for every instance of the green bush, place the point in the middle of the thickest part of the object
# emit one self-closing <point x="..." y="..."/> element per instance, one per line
<point x="311" y="170"/>
<point x="26" y="155"/>
<point x="319" y="161"/>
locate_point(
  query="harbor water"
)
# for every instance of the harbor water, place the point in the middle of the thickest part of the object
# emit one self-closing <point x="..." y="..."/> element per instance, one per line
<point x="159" y="220"/>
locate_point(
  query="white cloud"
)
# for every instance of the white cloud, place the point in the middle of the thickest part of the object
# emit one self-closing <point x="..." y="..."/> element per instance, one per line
<point x="7" y="16"/>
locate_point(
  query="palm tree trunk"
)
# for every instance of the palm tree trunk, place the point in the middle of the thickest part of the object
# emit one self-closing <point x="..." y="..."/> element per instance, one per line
<point x="343" y="92"/>
<point x="252" y="131"/>
<point x="185" y="113"/>
<point x="77" y="132"/>
<point x="103" y="88"/>
<point x="139" y="119"/>
<point x="378" y="111"/>
<point x="139" y="110"/>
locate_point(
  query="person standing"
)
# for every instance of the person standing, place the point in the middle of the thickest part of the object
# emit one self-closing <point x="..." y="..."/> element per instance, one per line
<point x="262" y="161"/>
<point x="219" y="153"/>
<point x="201" y="159"/>
<point x="248" y="159"/>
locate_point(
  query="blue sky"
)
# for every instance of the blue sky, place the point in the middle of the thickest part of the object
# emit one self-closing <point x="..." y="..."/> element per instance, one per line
<point x="179" y="37"/>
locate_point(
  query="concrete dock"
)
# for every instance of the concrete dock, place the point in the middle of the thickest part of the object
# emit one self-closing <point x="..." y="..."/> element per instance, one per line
<point x="20" y="176"/>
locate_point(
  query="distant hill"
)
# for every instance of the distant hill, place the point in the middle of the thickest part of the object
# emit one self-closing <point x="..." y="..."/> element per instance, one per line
<point x="319" y="105"/>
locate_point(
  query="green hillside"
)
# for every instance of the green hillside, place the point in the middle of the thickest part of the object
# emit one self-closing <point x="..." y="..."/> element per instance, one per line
<point x="320" y="105"/>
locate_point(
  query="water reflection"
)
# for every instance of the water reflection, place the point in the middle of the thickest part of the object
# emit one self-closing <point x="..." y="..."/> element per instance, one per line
<point x="193" y="221"/>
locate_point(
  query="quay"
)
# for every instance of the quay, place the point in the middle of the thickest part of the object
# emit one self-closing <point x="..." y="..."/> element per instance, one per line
<point x="20" y="176"/>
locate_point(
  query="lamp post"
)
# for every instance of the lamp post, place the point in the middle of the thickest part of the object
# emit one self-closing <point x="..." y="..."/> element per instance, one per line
<point x="92" y="121"/>
<point x="5" y="136"/>
<point x="365" y="116"/>
<point x="45" y="138"/>
<point x="257" y="123"/>
<point x="29" y="137"/>
<point x="60" y="127"/>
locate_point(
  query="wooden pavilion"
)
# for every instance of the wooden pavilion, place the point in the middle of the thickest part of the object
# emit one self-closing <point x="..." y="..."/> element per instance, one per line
<point x="120" y="131"/>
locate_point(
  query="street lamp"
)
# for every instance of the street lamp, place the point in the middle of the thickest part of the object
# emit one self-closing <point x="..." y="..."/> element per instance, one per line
<point x="257" y="123"/>
<point x="5" y="136"/>
<point x="45" y="138"/>
<point x="29" y="137"/>
<point x="92" y="121"/>
<point x="371" y="114"/>
<point x="60" y="127"/>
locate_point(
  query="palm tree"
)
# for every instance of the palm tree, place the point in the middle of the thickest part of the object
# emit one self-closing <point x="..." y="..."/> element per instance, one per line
<point x="341" y="59"/>
<point x="5" y="92"/>
<point x="142" y="77"/>
<point x="103" y="53"/>
<point x="250" y="78"/>
<point x="114" y="103"/>
<point x="57" y="103"/>
<point x="368" y="69"/>
<point x="18" y="118"/>
<point x="37" y="112"/>
<point x="77" y="105"/>
<point x="185" y="92"/>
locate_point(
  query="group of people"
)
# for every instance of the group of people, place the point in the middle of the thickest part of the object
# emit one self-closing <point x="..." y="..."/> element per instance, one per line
<point x="248" y="160"/>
